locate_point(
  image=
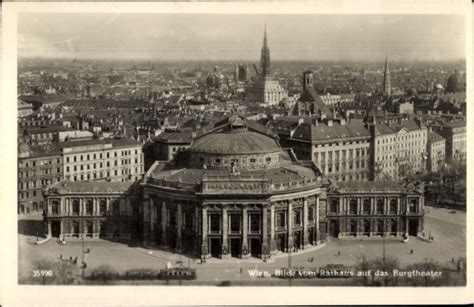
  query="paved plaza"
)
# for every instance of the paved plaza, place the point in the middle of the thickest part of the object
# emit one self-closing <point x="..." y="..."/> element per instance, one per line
<point x="447" y="228"/>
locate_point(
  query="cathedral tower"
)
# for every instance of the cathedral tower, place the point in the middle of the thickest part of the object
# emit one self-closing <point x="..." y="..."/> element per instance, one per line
<point x="387" y="86"/>
<point x="265" y="56"/>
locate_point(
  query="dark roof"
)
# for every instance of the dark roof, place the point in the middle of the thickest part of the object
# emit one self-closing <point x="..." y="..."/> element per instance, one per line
<point x="244" y="142"/>
<point x="94" y="187"/>
<point x="115" y="142"/>
<point x="178" y="137"/>
<point x="323" y="132"/>
<point x="434" y="137"/>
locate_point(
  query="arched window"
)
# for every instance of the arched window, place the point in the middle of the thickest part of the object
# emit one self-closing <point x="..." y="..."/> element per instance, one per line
<point x="380" y="206"/>
<point x="89" y="207"/>
<point x="333" y="206"/>
<point x="102" y="206"/>
<point x="413" y="205"/>
<point x="55" y="207"/>
<point x="366" y="207"/>
<point x="353" y="206"/>
<point x="393" y="206"/>
<point x="75" y="207"/>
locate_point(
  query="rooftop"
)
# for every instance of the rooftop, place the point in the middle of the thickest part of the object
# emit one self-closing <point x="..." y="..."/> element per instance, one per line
<point x="93" y="187"/>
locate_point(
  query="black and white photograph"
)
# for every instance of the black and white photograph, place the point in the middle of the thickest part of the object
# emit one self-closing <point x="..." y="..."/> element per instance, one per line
<point x="200" y="148"/>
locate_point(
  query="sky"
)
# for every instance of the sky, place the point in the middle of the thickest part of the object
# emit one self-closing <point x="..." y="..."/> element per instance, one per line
<point x="199" y="37"/>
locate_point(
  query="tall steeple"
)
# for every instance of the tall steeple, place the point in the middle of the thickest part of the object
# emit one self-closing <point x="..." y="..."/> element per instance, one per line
<point x="387" y="86"/>
<point x="265" y="56"/>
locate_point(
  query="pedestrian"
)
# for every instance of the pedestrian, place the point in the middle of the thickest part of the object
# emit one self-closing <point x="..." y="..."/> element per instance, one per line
<point x="70" y="259"/>
<point x="338" y="253"/>
<point x="411" y="251"/>
<point x="60" y="256"/>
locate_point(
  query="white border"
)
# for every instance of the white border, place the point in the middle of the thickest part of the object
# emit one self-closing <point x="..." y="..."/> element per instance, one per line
<point x="12" y="294"/>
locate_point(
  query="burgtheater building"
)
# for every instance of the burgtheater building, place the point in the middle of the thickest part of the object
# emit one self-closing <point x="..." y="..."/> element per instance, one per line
<point x="235" y="192"/>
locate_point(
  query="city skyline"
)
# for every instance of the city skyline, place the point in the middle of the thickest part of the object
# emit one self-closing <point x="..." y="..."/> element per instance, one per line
<point x="195" y="37"/>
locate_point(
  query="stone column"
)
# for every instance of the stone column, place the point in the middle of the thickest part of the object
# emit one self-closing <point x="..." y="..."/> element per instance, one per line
<point x="399" y="209"/>
<point x="152" y="213"/>
<point x="49" y="229"/>
<point x="245" y="227"/>
<point x="358" y="211"/>
<point x="179" y="226"/>
<point x="372" y="205"/>
<point x="196" y="230"/>
<point x="305" y="222"/>
<point x="146" y="218"/>
<point x="265" y="251"/>
<point x="61" y="234"/>
<point x="204" y="243"/>
<point x="272" y="228"/>
<point x="81" y="206"/>
<point x="225" y="230"/>
<point x="290" y="225"/>
<point x="318" y="232"/>
<point x="164" y="222"/>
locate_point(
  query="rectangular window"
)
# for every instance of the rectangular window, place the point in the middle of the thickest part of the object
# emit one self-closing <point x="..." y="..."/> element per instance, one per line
<point x="255" y="223"/>
<point x="215" y="223"/>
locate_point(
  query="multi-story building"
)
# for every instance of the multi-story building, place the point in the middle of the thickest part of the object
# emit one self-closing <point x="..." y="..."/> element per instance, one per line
<point x="98" y="209"/>
<point x="398" y="148"/>
<point x="436" y="148"/>
<point x="106" y="159"/>
<point x="370" y="209"/>
<point x="38" y="167"/>
<point x="167" y="144"/>
<point x="43" y="135"/>
<point x="331" y="100"/>
<point x="455" y="135"/>
<point x="340" y="148"/>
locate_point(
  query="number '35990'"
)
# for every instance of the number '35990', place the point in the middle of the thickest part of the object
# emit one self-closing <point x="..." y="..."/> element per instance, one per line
<point x="41" y="273"/>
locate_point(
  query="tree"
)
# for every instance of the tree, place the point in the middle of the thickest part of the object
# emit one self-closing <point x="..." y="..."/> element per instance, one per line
<point x="64" y="272"/>
<point x="387" y="264"/>
<point x="364" y="264"/>
<point x="104" y="273"/>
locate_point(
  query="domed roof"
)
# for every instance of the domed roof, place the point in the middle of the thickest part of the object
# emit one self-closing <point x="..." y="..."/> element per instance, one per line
<point x="242" y="142"/>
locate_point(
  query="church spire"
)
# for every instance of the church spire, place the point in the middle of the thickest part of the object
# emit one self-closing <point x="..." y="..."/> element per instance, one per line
<point x="387" y="86"/>
<point x="265" y="55"/>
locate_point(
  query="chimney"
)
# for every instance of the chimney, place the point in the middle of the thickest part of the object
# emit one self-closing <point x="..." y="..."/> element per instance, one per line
<point x="300" y="121"/>
<point x="330" y="122"/>
<point x="343" y="121"/>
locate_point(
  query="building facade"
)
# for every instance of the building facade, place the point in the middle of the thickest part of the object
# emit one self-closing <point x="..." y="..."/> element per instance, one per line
<point x="455" y="135"/>
<point x="370" y="209"/>
<point x="106" y="159"/>
<point x="436" y="148"/>
<point x="38" y="167"/>
<point x="340" y="148"/>
<point x="92" y="210"/>
<point x="398" y="148"/>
